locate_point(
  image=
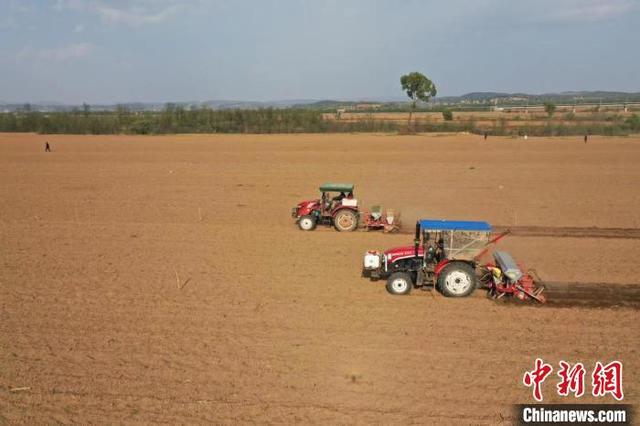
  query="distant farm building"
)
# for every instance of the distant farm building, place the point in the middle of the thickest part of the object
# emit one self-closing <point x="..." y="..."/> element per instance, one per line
<point x="367" y="106"/>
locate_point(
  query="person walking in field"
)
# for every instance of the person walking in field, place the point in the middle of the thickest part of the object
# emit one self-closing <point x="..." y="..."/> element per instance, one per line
<point x="486" y="135"/>
<point x="586" y="136"/>
<point x="47" y="147"/>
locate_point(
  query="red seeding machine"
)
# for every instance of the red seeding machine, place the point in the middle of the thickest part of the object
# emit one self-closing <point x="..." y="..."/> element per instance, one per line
<point x="445" y="255"/>
<point x="505" y="277"/>
<point x="337" y="207"/>
<point x="378" y="219"/>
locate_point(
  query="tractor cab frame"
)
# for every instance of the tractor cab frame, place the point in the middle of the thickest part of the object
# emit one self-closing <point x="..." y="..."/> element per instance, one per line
<point x="443" y="255"/>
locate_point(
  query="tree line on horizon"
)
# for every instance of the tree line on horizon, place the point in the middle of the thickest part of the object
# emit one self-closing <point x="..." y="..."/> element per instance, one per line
<point x="175" y="119"/>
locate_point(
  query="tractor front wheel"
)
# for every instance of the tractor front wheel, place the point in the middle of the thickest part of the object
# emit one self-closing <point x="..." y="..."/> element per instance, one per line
<point x="457" y="279"/>
<point x="307" y="223"/>
<point x="399" y="284"/>
<point x="345" y="221"/>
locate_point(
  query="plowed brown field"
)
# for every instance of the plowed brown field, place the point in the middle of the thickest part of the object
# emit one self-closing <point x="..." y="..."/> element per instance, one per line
<point x="273" y="324"/>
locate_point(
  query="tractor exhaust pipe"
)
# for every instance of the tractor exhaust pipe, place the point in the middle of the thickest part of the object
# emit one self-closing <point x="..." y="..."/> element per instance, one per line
<point x="416" y="240"/>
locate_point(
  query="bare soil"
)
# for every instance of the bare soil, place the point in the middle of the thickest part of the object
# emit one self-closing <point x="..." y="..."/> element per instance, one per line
<point x="162" y="279"/>
<point x="570" y="231"/>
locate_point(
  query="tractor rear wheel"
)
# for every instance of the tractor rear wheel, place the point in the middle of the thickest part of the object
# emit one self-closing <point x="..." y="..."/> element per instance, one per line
<point x="399" y="284"/>
<point x="457" y="279"/>
<point x="345" y="221"/>
<point x="307" y="223"/>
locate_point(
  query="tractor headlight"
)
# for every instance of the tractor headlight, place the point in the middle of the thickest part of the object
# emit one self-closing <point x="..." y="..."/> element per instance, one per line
<point x="371" y="260"/>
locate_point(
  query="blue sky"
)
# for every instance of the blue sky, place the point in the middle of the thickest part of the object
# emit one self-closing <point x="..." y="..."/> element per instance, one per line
<point x="108" y="51"/>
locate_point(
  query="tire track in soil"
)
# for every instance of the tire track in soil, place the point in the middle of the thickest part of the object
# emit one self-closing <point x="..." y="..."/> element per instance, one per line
<point x="592" y="295"/>
<point x="570" y="232"/>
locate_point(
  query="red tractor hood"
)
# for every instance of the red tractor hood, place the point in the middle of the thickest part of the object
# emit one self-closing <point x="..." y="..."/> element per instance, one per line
<point x="308" y="203"/>
<point x="396" y="253"/>
<point x="306" y="207"/>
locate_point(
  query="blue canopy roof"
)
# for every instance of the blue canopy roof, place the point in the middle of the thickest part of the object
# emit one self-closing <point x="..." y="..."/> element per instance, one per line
<point x="453" y="225"/>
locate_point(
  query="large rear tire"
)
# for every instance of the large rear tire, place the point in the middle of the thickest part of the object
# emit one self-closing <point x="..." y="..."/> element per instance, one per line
<point x="345" y="221"/>
<point x="457" y="279"/>
<point x="307" y="223"/>
<point x="399" y="284"/>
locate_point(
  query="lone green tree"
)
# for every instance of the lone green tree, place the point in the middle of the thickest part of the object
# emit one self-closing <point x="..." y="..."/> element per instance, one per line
<point x="417" y="87"/>
<point x="549" y="108"/>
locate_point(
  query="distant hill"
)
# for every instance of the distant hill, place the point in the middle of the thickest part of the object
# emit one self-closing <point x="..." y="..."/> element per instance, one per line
<point x="562" y="97"/>
<point x="227" y="104"/>
<point x="473" y="98"/>
<point x="325" y="104"/>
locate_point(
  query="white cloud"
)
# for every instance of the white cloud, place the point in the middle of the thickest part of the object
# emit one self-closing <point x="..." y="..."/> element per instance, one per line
<point x="58" y="54"/>
<point x="78" y="28"/>
<point x="135" y="15"/>
<point x="8" y="23"/>
<point x="69" y="4"/>
<point x="16" y="13"/>
<point x="590" y="10"/>
<point x="132" y="12"/>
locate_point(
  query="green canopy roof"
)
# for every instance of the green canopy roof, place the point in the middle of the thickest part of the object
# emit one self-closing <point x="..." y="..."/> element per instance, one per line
<point x="336" y="187"/>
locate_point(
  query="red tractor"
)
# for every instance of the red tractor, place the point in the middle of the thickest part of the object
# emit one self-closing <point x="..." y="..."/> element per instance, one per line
<point x="445" y="255"/>
<point x="336" y="207"/>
